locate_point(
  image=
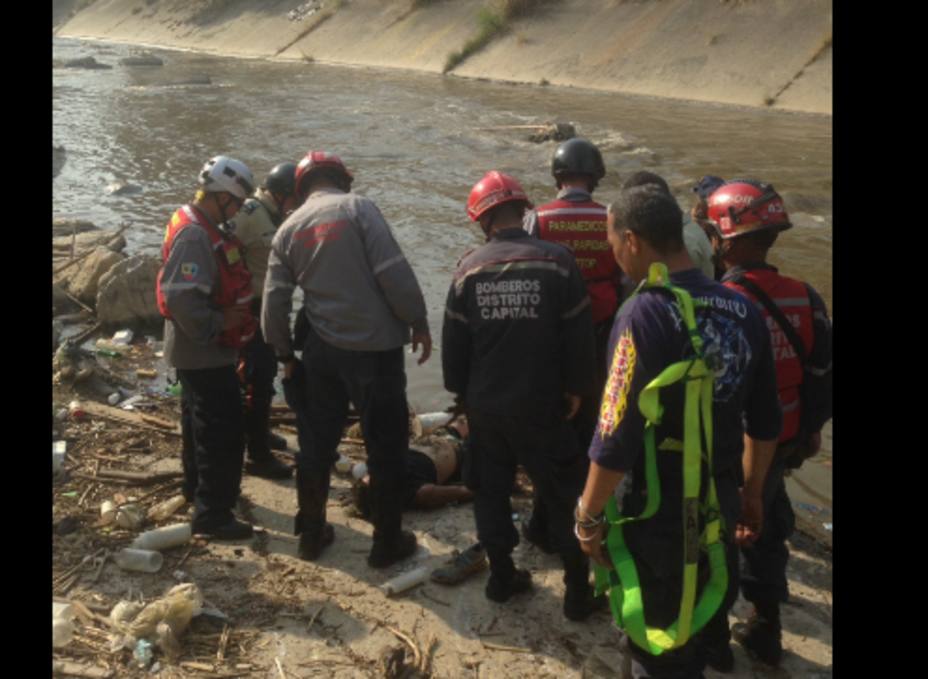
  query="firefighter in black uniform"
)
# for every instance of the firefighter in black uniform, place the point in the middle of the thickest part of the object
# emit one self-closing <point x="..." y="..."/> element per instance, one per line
<point x="517" y="347"/>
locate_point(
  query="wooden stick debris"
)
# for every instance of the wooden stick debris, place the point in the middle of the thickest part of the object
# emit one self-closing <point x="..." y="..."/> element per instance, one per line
<point x="501" y="647"/>
<point x="73" y="669"/>
<point x="223" y="641"/>
<point x="417" y="655"/>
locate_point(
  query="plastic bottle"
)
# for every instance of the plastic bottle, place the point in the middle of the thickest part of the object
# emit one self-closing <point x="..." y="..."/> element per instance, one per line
<point x="62" y="624"/>
<point x="143" y="560"/>
<point x="163" y="510"/>
<point x="359" y="471"/>
<point x="405" y="581"/>
<point x="108" y="512"/>
<point x="76" y="410"/>
<point x="142" y="654"/>
<point x="59" y="448"/>
<point x="163" y="538"/>
<point x="434" y="420"/>
<point x="62" y="631"/>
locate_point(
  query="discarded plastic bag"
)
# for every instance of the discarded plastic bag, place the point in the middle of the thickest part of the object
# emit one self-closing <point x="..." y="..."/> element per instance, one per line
<point x="176" y="608"/>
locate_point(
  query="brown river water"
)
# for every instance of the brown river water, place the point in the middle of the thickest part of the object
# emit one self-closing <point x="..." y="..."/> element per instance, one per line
<point x="416" y="144"/>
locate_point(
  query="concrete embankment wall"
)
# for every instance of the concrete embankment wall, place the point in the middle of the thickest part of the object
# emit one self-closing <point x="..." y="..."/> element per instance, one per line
<point x="748" y="52"/>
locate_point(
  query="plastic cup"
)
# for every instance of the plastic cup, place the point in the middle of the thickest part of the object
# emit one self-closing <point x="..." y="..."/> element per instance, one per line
<point x="142" y="560"/>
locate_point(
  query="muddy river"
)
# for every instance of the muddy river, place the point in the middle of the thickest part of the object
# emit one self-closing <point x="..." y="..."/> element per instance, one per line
<point x="416" y="144"/>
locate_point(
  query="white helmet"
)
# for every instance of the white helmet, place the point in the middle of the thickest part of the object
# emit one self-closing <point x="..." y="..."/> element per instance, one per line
<point x="222" y="173"/>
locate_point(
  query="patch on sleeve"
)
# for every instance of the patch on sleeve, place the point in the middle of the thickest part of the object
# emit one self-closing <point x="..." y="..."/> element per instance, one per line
<point x="189" y="270"/>
<point x="615" y="395"/>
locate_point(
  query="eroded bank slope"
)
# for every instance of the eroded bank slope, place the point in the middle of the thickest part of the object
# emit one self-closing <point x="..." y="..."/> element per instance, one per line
<point x="744" y="52"/>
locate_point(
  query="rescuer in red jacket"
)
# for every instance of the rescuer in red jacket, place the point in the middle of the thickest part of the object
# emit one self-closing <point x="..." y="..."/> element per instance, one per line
<point x="746" y="217"/>
<point x="575" y="220"/>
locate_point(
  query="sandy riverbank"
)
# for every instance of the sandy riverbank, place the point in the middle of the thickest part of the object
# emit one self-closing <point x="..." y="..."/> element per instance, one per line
<point x="734" y="51"/>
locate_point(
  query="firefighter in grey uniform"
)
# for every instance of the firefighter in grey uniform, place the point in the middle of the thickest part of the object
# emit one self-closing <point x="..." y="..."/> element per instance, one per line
<point x="203" y="291"/>
<point x="517" y="346"/>
<point x="255" y="226"/>
<point x="361" y="298"/>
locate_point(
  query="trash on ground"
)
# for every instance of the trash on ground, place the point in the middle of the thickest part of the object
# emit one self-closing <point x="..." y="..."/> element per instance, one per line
<point x="164" y="537"/>
<point x="143" y="560"/>
<point x="59" y="449"/>
<point x="142" y="654"/>
<point x="163" y="510"/>
<point x="827" y="526"/>
<point x="343" y="465"/>
<point x="405" y="581"/>
<point x="123" y="337"/>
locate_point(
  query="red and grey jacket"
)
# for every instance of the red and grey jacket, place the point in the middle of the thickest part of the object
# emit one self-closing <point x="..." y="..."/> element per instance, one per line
<point x="233" y="287"/>
<point x="578" y="222"/>
<point x="802" y="351"/>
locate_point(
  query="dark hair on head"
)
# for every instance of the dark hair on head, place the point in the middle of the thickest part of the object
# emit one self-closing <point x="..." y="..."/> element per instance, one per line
<point x="762" y="240"/>
<point x="645" y="178"/>
<point x="515" y="208"/>
<point x="653" y="214"/>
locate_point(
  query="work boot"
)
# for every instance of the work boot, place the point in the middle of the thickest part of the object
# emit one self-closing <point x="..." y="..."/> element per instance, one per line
<point x="500" y="590"/>
<point x="761" y="635"/>
<point x="276" y="441"/>
<point x="267" y="466"/>
<point x="232" y="530"/>
<point x="312" y="494"/>
<point x="312" y="543"/>
<point x="386" y="553"/>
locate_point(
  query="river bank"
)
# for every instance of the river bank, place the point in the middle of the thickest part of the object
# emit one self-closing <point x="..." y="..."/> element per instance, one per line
<point x="328" y="618"/>
<point x="702" y="50"/>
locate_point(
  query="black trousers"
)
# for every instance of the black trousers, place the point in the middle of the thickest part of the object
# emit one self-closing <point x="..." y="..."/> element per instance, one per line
<point x="375" y="381"/>
<point x="260" y="370"/>
<point x="763" y="564"/>
<point x="213" y="443"/>
<point x="662" y="604"/>
<point x="584" y="422"/>
<point x="548" y="452"/>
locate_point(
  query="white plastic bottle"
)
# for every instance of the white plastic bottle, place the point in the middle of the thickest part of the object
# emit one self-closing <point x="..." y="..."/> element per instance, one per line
<point x="163" y="538"/>
<point x="405" y="581"/>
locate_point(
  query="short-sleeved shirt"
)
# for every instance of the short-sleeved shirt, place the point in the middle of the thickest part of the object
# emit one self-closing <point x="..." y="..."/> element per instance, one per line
<point x="648" y="335"/>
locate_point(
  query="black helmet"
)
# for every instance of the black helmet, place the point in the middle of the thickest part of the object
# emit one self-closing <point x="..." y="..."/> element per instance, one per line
<point x="578" y="156"/>
<point x="280" y="179"/>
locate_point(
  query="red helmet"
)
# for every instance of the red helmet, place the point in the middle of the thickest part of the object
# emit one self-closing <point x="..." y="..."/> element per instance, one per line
<point x="744" y="206"/>
<point x="494" y="189"/>
<point x="314" y="160"/>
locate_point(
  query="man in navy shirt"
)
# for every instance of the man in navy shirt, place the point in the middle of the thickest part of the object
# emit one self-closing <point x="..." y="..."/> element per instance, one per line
<point x="649" y="334"/>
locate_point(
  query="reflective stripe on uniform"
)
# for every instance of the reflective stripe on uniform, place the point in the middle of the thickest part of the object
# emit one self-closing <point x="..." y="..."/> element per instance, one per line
<point x="456" y="316"/>
<point x="166" y="287"/>
<point x="577" y="309"/>
<point x="387" y="264"/>
<point x="573" y="211"/>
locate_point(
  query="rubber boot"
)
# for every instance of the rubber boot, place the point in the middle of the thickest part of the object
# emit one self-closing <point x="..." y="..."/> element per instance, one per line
<point x="762" y="634"/>
<point x="312" y="492"/>
<point x="579" y="602"/>
<point x="391" y="543"/>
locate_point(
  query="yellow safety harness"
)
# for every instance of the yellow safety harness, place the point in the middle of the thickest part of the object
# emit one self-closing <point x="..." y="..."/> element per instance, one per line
<point x="622" y="584"/>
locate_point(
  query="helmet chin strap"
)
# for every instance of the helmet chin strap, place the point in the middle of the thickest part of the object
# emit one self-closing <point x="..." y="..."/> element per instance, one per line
<point x="489" y="227"/>
<point x="719" y="251"/>
<point x="222" y="211"/>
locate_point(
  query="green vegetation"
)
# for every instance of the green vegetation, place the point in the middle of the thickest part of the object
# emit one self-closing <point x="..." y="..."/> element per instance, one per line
<point x="490" y="25"/>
